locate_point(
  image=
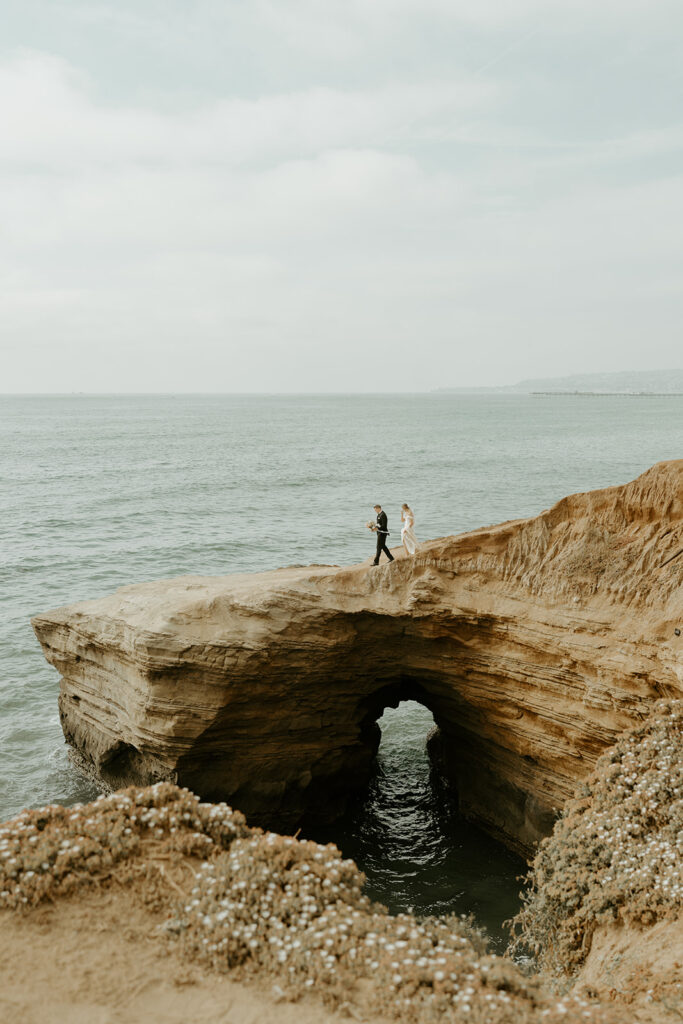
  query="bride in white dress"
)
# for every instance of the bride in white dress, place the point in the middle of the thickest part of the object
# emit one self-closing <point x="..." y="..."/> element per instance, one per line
<point x="408" y="538"/>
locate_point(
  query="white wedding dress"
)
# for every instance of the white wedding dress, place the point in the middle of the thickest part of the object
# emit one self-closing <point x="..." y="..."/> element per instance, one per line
<point x="408" y="537"/>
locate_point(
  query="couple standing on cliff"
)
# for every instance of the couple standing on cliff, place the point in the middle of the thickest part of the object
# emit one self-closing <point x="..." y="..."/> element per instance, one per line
<point x="381" y="528"/>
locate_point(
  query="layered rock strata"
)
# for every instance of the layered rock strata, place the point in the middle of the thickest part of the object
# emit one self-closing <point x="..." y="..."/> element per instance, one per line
<point x="534" y="644"/>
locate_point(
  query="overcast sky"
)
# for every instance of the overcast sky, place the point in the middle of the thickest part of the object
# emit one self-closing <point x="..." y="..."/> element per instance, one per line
<point x="335" y="195"/>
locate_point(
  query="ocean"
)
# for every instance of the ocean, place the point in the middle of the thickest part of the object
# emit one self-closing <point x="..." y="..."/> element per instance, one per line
<point x="102" y="491"/>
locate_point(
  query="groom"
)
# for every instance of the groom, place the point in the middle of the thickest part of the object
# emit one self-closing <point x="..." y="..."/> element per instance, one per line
<point x="382" y="531"/>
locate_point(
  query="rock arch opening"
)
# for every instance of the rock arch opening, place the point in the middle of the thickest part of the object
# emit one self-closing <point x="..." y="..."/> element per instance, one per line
<point x="404" y="830"/>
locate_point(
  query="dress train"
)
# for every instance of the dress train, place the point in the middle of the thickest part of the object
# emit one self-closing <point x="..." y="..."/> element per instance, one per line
<point x="408" y="537"/>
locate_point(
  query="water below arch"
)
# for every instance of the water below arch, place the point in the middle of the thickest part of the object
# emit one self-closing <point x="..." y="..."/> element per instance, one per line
<point x="418" y="853"/>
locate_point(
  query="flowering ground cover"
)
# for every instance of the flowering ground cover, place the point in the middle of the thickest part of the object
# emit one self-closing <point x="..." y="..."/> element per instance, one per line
<point x="265" y="906"/>
<point x="616" y="854"/>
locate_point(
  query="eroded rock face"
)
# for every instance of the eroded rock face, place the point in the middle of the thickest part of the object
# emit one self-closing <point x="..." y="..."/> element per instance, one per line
<point x="534" y="644"/>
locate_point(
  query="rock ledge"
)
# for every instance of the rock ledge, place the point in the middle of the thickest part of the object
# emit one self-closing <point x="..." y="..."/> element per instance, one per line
<point x="534" y="643"/>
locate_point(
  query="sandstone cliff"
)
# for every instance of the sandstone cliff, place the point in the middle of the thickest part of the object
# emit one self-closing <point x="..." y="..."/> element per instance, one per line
<point x="535" y="643"/>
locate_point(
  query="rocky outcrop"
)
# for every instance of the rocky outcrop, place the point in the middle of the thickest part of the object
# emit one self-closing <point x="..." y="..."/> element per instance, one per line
<point x="534" y="644"/>
<point x="603" y="908"/>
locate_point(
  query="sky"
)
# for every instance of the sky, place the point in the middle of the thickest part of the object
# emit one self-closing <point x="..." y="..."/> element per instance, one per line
<point x="337" y="195"/>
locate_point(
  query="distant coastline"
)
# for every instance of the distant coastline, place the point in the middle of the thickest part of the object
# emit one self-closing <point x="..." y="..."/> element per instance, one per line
<point x="629" y="383"/>
<point x="611" y="394"/>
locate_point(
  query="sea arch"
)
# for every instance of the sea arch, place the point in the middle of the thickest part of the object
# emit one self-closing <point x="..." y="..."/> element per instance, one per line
<point x="534" y="644"/>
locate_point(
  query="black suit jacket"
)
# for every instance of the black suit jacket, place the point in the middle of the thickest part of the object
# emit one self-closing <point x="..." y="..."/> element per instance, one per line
<point x="382" y="525"/>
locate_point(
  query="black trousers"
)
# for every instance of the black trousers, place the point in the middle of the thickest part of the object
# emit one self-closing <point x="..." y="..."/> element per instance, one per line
<point x="382" y="547"/>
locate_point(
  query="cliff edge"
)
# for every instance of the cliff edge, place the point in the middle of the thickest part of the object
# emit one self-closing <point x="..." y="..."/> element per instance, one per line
<point x="535" y="644"/>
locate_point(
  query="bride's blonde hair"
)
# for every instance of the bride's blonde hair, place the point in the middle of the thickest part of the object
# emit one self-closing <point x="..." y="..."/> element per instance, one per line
<point x="406" y="505"/>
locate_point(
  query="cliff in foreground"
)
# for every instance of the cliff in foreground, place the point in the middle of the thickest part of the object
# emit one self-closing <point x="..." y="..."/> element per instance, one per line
<point x="285" y="916"/>
<point x="603" y="909"/>
<point x="182" y="893"/>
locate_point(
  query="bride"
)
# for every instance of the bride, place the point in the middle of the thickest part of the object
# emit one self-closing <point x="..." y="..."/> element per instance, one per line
<point x="408" y="537"/>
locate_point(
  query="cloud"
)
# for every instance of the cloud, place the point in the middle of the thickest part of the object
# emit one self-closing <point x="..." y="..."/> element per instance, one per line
<point x="341" y="30"/>
<point x="314" y="240"/>
<point x="48" y="119"/>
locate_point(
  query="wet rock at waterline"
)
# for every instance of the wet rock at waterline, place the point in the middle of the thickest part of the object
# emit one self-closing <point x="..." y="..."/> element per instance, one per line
<point x="534" y="644"/>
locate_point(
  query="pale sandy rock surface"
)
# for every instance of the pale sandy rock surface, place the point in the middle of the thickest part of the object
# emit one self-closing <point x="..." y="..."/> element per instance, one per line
<point x="534" y="643"/>
<point x="640" y="968"/>
<point x="96" y="959"/>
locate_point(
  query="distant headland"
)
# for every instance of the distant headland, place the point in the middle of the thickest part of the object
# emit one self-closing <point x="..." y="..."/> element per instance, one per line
<point x="625" y="382"/>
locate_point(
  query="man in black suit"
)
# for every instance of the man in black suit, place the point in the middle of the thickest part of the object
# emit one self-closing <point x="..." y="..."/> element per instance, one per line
<point x="382" y="531"/>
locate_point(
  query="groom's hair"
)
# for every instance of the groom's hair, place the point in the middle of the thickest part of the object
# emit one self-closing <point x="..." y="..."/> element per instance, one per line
<point x="376" y="506"/>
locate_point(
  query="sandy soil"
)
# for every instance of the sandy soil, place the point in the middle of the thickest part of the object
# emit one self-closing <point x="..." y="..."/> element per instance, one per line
<point x="128" y="909"/>
<point x="638" y="968"/>
<point x="96" y="958"/>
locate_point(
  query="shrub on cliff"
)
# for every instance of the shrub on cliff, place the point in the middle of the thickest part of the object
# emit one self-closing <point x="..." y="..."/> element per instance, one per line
<point x="294" y="911"/>
<point x="617" y="851"/>
<point x="48" y="852"/>
<point x="270" y="907"/>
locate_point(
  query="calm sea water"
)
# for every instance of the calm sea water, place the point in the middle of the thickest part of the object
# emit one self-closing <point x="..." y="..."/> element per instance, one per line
<point x="98" y="492"/>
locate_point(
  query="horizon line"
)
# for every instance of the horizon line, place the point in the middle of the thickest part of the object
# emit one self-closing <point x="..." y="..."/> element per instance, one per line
<point x="111" y="394"/>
